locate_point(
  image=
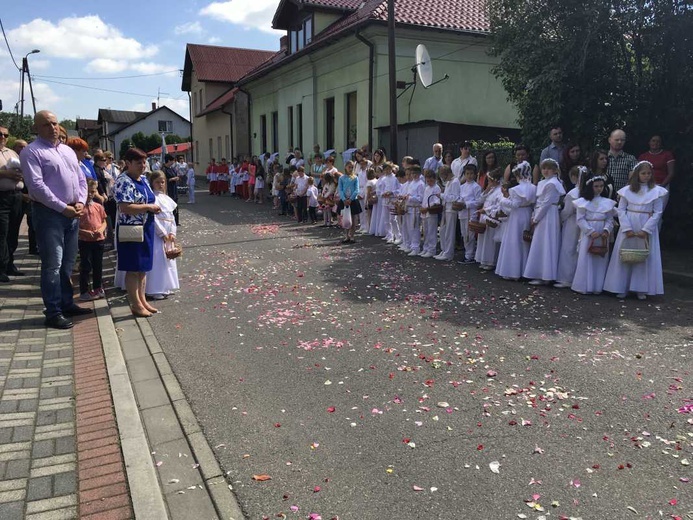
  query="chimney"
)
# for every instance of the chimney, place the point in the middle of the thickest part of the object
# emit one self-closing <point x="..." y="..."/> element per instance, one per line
<point x="153" y="105"/>
<point x="284" y="43"/>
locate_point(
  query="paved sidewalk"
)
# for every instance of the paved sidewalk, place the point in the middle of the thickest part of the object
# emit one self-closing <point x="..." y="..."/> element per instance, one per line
<point x="93" y="423"/>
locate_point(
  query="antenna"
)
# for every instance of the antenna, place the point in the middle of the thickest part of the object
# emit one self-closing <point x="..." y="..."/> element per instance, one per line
<point x="423" y="68"/>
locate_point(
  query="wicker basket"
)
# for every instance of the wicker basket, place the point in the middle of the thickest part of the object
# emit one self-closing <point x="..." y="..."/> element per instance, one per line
<point x="437" y="208"/>
<point x="321" y="199"/>
<point x="527" y="235"/>
<point x="373" y="199"/>
<point x="634" y="256"/>
<point x="292" y="197"/>
<point x="599" y="246"/>
<point x="173" y="250"/>
<point x="491" y="222"/>
<point x="399" y="208"/>
<point x="477" y="227"/>
<point x="458" y="206"/>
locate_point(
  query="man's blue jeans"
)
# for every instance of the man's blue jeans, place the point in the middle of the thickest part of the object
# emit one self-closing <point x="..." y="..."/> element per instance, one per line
<point x="56" y="236"/>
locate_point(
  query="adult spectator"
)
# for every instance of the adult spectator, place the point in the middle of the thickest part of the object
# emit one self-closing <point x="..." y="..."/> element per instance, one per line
<point x="463" y="160"/>
<point x="434" y="162"/>
<point x="598" y="164"/>
<point x="379" y="159"/>
<point x="18" y="146"/>
<point x="489" y="162"/>
<point x="317" y="169"/>
<point x="182" y="166"/>
<point x="298" y="159"/>
<point x="58" y="190"/>
<point x="663" y="161"/>
<point x="81" y="148"/>
<point x="554" y="151"/>
<point x="136" y="210"/>
<point x="572" y="156"/>
<point x="102" y="178"/>
<point x="620" y="163"/>
<point x="311" y="156"/>
<point x="171" y="172"/>
<point x="11" y="186"/>
<point x="520" y="155"/>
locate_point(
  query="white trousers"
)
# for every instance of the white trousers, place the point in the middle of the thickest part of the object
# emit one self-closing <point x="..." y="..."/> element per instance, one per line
<point x="447" y="235"/>
<point x="430" y="228"/>
<point x="412" y="225"/>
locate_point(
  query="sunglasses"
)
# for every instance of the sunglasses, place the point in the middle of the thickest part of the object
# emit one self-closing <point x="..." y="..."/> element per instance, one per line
<point x="4" y="135"/>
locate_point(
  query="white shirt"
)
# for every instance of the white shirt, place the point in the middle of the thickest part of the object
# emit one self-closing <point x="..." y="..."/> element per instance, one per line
<point x="301" y="183"/>
<point x="458" y="165"/>
<point x="433" y="163"/>
<point x="313" y="197"/>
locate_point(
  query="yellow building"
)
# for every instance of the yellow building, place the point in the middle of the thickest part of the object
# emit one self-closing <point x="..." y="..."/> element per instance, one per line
<point x="328" y="84"/>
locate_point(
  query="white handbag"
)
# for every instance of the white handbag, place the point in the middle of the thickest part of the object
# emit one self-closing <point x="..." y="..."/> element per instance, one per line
<point x="130" y="233"/>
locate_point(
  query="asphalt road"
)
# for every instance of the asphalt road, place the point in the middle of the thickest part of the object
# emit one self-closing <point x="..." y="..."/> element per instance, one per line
<point x="370" y="385"/>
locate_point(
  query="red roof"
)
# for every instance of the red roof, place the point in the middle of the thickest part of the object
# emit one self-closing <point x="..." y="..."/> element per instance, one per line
<point x="172" y="149"/>
<point x="220" y="64"/>
<point x="454" y="15"/>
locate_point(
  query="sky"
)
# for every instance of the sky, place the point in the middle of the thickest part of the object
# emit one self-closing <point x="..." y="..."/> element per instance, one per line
<point x="119" y="55"/>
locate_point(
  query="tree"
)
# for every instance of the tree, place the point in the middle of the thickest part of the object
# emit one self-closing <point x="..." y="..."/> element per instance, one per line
<point x="595" y="65"/>
<point x="68" y="124"/>
<point x="125" y="145"/>
<point x="18" y="129"/>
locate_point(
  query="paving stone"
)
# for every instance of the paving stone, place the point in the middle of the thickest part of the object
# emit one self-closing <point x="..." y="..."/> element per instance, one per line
<point x="28" y="405"/>
<point x="46" y="417"/>
<point x="65" y="415"/>
<point x="5" y="435"/>
<point x="12" y="511"/>
<point x="9" y="406"/>
<point x="17" y="469"/>
<point x="65" y="445"/>
<point x="64" y="484"/>
<point x="39" y="488"/>
<point x="22" y="433"/>
<point x="43" y="449"/>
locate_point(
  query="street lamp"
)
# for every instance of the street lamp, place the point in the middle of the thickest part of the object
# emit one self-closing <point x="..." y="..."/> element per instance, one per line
<point x="25" y="70"/>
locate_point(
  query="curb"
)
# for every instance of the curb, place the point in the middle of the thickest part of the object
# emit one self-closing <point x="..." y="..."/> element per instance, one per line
<point x="219" y="491"/>
<point x="145" y="492"/>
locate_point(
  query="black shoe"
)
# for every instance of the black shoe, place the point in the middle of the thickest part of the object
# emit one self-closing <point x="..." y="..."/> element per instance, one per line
<point x="77" y="311"/>
<point x="4" y="278"/>
<point x="58" y="322"/>
<point x="13" y="271"/>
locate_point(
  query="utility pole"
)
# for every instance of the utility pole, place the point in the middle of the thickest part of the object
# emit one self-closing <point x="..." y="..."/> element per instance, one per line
<point x="25" y="70"/>
<point x="392" y="72"/>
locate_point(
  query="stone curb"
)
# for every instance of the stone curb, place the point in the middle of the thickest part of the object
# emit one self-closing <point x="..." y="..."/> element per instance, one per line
<point x="145" y="492"/>
<point x="223" y="499"/>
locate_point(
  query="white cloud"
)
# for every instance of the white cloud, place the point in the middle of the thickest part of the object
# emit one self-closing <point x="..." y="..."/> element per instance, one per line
<point x="106" y="65"/>
<point x="147" y="67"/>
<point x="86" y="37"/>
<point x="188" y="28"/>
<point x="36" y="65"/>
<point x="256" y="14"/>
<point x="214" y="40"/>
<point x="45" y="97"/>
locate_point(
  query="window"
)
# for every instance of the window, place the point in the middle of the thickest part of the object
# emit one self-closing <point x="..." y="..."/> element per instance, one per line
<point x="301" y="36"/>
<point x="165" y="126"/>
<point x="291" y="126"/>
<point x="263" y="132"/>
<point x="351" y="118"/>
<point x="201" y="104"/>
<point x="275" y="132"/>
<point x="299" y="126"/>
<point x="329" y="123"/>
<point x="227" y="150"/>
<point x="219" y="146"/>
<point x="211" y="148"/>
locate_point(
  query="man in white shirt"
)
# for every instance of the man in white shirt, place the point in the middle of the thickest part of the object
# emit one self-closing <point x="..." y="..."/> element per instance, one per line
<point x="463" y="160"/>
<point x="298" y="160"/>
<point x="432" y="163"/>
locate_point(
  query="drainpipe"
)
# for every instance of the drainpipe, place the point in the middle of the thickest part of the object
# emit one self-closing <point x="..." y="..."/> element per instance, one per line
<point x="371" y="86"/>
<point x="192" y="141"/>
<point x="250" y="120"/>
<point x="315" y="102"/>
<point x="230" y="114"/>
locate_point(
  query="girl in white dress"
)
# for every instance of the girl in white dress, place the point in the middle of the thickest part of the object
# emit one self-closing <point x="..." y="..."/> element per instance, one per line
<point x="517" y="203"/>
<point x="487" y="246"/>
<point x="163" y="278"/>
<point x="639" y="212"/>
<point x="542" y="261"/>
<point x="448" y="226"/>
<point x="595" y="218"/>
<point x="429" y="221"/>
<point x="567" y="258"/>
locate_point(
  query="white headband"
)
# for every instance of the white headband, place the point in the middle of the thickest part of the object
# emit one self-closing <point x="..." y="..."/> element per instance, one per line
<point x="596" y="178"/>
<point x="524" y="169"/>
<point x="552" y="161"/>
<point x="641" y="163"/>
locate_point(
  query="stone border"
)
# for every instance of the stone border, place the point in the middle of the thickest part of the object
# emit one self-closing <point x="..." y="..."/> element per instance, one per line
<point x="146" y="495"/>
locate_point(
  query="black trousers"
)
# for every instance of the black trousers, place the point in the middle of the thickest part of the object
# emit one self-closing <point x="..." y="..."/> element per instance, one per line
<point x="301" y="206"/>
<point x="90" y="262"/>
<point x="10" y="219"/>
<point x="313" y="213"/>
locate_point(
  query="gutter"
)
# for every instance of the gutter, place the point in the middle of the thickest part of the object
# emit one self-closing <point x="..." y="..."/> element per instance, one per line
<point x="230" y="114"/>
<point x="192" y="141"/>
<point x="371" y="80"/>
<point x="315" y="102"/>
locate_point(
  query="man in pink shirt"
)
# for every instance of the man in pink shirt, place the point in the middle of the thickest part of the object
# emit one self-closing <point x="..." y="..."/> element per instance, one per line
<point x="59" y="191"/>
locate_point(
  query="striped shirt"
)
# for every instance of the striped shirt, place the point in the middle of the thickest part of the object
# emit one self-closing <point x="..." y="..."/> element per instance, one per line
<point x="619" y="167"/>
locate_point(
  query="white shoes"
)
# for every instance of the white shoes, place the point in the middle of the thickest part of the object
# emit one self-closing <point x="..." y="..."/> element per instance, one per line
<point x="426" y="254"/>
<point x="538" y="282"/>
<point x="397" y="241"/>
<point x="414" y="252"/>
<point x="621" y="296"/>
<point x="642" y="296"/>
<point x="561" y="285"/>
<point x="440" y="257"/>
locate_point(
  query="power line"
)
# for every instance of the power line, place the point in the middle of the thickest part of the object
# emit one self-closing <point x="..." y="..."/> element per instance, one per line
<point x="8" y="46"/>
<point x="109" y="77"/>
<point x="151" y="96"/>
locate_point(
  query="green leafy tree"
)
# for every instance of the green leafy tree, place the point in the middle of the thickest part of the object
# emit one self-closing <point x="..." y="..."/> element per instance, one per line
<point x="125" y="145"/>
<point x="68" y="124"/>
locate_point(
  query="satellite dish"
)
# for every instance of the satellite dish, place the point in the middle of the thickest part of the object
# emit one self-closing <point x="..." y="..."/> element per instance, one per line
<point x="424" y="68"/>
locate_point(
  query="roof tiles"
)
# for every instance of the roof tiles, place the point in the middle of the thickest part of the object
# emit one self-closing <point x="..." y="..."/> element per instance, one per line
<point x="224" y="64"/>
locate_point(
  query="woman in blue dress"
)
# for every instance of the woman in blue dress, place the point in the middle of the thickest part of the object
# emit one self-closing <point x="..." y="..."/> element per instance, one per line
<point x="136" y="207"/>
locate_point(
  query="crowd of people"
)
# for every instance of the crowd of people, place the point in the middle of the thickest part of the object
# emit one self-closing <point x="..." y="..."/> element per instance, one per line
<point x="588" y="223"/>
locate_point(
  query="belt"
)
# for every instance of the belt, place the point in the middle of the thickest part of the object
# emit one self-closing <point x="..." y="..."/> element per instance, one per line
<point x="636" y="211"/>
